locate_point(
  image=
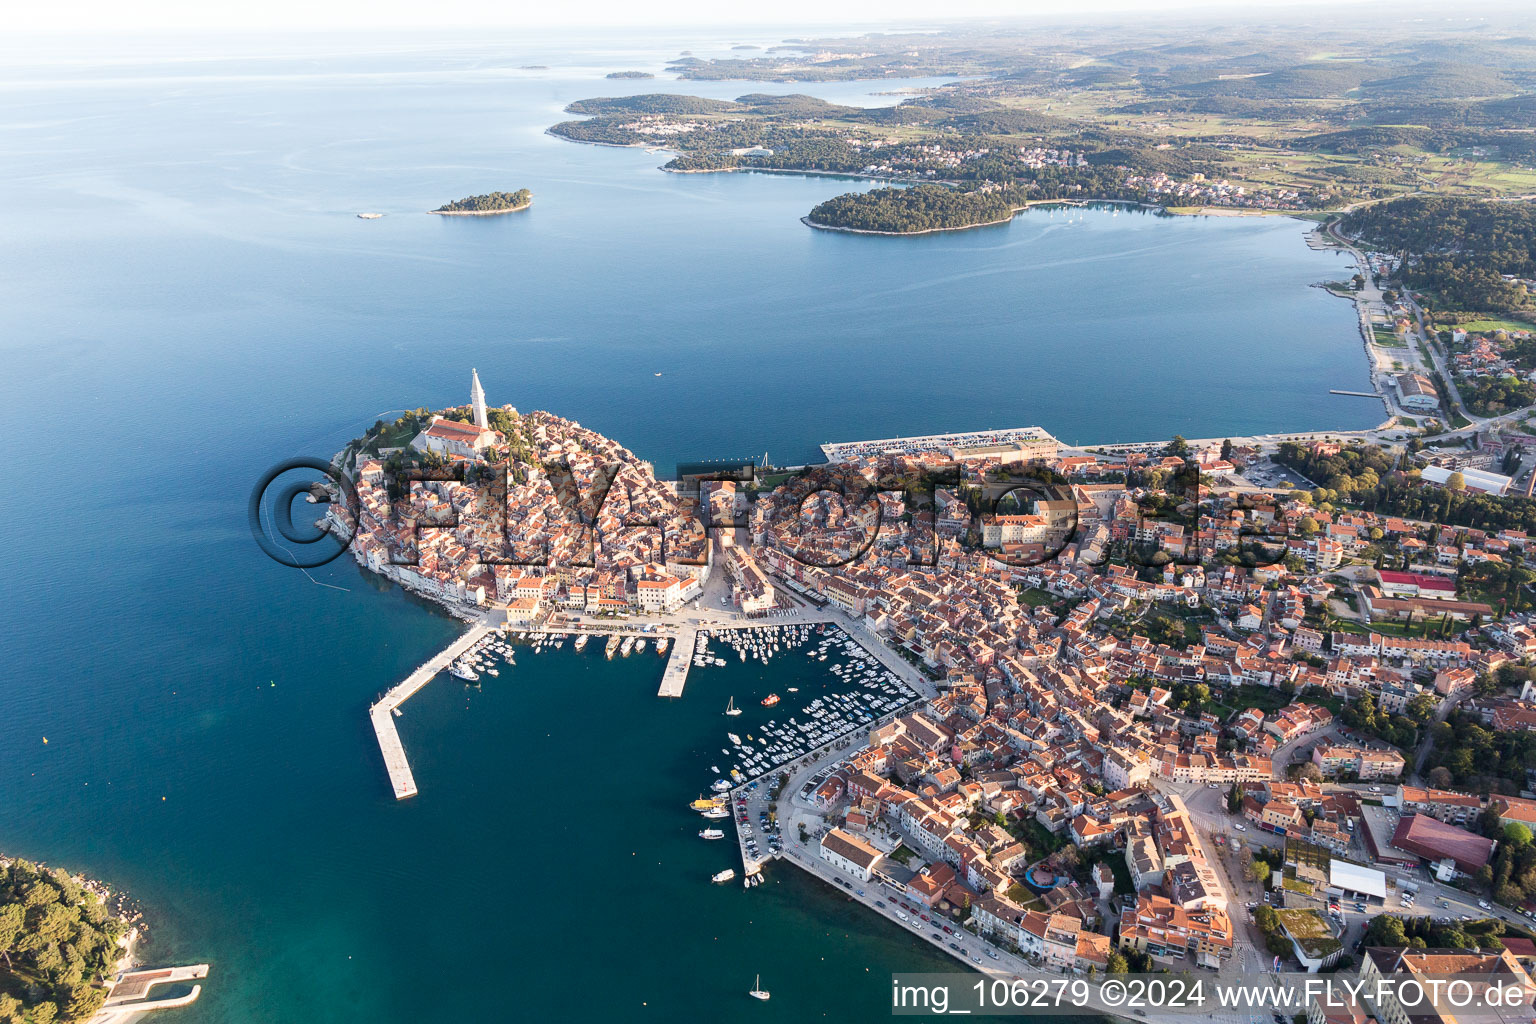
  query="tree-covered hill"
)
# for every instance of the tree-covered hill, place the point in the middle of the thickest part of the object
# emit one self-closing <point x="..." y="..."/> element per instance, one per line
<point x="57" y="942"/>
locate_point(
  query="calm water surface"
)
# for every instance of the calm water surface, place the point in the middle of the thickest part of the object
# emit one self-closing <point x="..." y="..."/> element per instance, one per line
<point x="189" y="297"/>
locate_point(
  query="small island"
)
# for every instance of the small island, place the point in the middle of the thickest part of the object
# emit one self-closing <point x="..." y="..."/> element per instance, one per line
<point x="629" y="74"/>
<point x="914" y="211"/>
<point x="487" y="205"/>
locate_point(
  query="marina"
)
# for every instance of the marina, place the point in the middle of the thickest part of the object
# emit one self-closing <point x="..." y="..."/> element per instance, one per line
<point x="842" y="689"/>
<point x="873" y="691"/>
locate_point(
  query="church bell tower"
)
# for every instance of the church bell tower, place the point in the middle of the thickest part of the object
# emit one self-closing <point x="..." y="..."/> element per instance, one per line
<point x="477" y="399"/>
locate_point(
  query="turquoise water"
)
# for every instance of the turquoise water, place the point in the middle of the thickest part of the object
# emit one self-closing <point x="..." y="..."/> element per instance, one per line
<point x="189" y="297"/>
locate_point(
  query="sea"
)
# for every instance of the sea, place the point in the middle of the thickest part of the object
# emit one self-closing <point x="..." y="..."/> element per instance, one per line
<point x="189" y="298"/>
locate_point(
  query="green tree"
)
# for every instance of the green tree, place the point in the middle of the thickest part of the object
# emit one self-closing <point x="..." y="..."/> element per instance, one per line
<point x="12" y="924"/>
<point x="1385" y="930"/>
<point x="1517" y="834"/>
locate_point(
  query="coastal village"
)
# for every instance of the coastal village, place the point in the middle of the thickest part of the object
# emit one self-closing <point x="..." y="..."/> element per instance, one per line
<point x="1171" y="715"/>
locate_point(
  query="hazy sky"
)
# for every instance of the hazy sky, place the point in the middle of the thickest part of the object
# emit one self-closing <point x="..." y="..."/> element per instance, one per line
<point x="161" y="15"/>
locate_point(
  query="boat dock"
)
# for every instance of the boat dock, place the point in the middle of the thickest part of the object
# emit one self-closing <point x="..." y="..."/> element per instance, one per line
<point x="1354" y="394"/>
<point x="678" y="660"/>
<point x="129" y="992"/>
<point x="382" y="712"/>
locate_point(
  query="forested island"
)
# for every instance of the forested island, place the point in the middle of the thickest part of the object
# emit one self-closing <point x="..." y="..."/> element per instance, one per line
<point x="913" y="211"/>
<point x="490" y="203"/>
<point x="629" y="74"/>
<point x="58" y="942"/>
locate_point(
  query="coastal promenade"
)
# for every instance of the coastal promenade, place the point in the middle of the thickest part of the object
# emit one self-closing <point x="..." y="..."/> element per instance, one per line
<point x="382" y="712"/>
<point x="678" y="660"/>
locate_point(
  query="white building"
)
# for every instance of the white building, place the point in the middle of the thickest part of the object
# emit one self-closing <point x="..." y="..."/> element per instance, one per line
<point x="847" y="852"/>
<point x="1476" y="479"/>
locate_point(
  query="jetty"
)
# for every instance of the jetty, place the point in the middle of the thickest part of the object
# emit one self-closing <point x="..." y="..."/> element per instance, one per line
<point x="128" y="994"/>
<point x="382" y="712"/>
<point x="1354" y="394"/>
<point x="678" y="660"/>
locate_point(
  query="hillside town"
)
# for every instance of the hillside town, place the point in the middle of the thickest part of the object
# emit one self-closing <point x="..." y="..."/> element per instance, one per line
<point x="1174" y="717"/>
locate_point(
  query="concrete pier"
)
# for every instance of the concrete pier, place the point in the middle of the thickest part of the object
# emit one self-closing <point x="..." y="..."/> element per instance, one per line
<point x="128" y="995"/>
<point x="678" y="660"/>
<point x="382" y="712"/>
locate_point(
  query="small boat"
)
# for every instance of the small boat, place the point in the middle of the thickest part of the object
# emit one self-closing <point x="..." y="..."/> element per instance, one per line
<point x="658" y="375"/>
<point x="661" y="645"/>
<point x="463" y="671"/>
<point x="715" y="813"/>
<point x="758" y="992"/>
<point x="715" y="768"/>
<point x="711" y="833"/>
<point x="398" y="712"/>
<point x="731" y="708"/>
<point x="724" y="876"/>
<point x="705" y="803"/>
<point x="736" y="740"/>
<point x="794" y="689"/>
<point x="770" y="700"/>
<point x="581" y="642"/>
<point x="719" y="785"/>
<point x="612" y="648"/>
<point x="376" y="216"/>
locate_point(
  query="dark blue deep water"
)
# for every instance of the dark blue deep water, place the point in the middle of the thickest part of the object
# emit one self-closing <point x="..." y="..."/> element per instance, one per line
<point x="188" y="297"/>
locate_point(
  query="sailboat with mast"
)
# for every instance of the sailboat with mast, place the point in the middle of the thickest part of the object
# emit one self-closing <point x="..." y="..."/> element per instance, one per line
<point x="731" y="708"/>
<point x="758" y="992"/>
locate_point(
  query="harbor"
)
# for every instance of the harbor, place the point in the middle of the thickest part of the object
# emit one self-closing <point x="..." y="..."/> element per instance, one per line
<point x="840" y="690"/>
<point x="873" y="692"/>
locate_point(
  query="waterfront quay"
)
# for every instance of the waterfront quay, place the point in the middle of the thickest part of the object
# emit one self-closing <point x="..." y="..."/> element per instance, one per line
<point x="382" y="711"/>
<point x="678" y="660"/>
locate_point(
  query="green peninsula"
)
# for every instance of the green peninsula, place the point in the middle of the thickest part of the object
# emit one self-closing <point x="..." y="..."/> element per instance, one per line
<point x="490" y="203"/>
<point x="1252" y="122"/>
